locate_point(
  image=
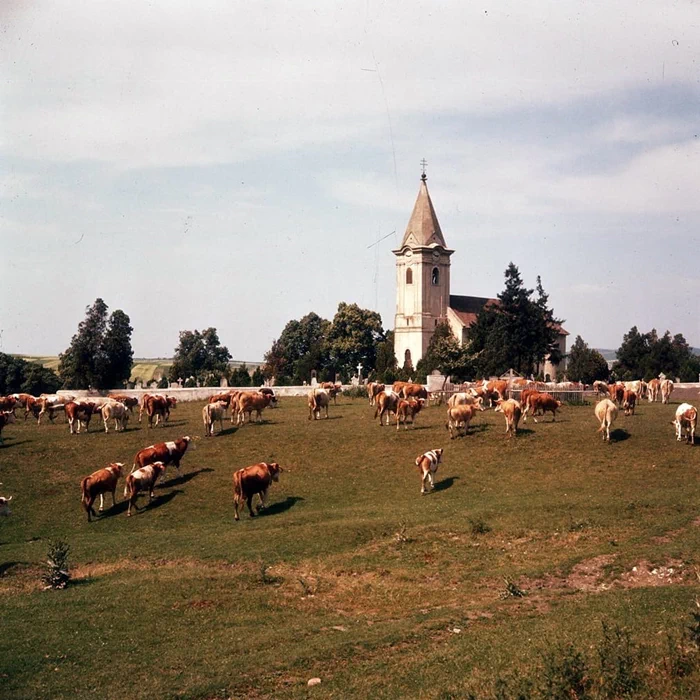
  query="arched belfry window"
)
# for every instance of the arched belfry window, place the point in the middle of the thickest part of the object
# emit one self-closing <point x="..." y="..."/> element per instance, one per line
<point x="409" y="276"/>
<point x="436" y="276"/>
<point x="407" y="357"/>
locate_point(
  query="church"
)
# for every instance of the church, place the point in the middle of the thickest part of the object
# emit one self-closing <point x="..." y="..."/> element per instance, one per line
<point x="423" y="297"/>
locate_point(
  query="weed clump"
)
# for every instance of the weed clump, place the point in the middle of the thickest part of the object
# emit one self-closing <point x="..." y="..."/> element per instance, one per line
<point x="479" y="527"/>
<point x="512" y="590"/>
<point x="56" y="575"/>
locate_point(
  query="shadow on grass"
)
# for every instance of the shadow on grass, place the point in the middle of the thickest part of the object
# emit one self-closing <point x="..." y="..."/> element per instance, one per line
<point x="4" y="568"/>
<point x="322" y="418"/>
<point x="159" y="501"/>
<point x="13" y="443"/>
<point x="227" y="431"/>
<point x="116" y="509"/>
<point x="445" y="483"/>
<point x="619" y="435"/>
<point x="280" y="506"/>
<point x="183" y="478"/>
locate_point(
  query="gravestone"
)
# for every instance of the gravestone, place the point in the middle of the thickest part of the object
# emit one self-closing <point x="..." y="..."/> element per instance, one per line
<point x="313" y="378"/>
<point x="224" y="382"/>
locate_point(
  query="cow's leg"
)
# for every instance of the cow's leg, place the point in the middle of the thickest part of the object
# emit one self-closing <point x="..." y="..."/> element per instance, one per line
<point x="235" y="508"/>
<point x="430" y="478"/>
<point x="114" y="491"/>
<point x="102" y="502"/>
<point x="249" y="501"/>
<point x="422" y="485"/>
<point x="263" y="498"/>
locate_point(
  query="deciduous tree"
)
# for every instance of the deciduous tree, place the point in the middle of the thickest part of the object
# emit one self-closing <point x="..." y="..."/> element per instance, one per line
<point x="585" y="364"/>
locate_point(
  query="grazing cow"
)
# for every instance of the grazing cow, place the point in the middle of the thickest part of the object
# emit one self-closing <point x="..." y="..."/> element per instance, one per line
<point x="116" y="410"/>
<point x="511" y="412"/>
<point x="166" y="452"/>
<point x="210" y="414"/>
<point x="666" y="390"/>
<point x="143" y="479"/>
<point x="617" y="393"/>
<point x="129" y="401"/>
<point x="606" y="413"/>
<point x="629" y="401"/>
<point x="249" y="401"/>
<point x="252" y="480"/>
<point x="526" y="397"/>
<point x="97" y="484"/>
<point x="499" y="387"/>
<point x="428" y="464"/>
<point x="387" y="402"/>
<point x="317" y="399"/>
<point x="459" y="417"/>
<point x="373" y="390"/>
<point x="543" y="403"/>
<point x="408" y="408"/>
<point x="653" y="389"/>
<point x="49" y="404"/>
<point x="267" y="391"/>
<point x="5" y="418"/>
<point x="25" y="401"/>
<point x="80" y="412"/>
<point x="223" y="397"/>
<point x="157" y="407"/>
<point x="414" y="391"/>
<point x="686" y="420"/>
<point x="463" y="398"/>
<point x="398" y="387"/>
<point x="5" y="505"/>
<point x="333" y="390"/>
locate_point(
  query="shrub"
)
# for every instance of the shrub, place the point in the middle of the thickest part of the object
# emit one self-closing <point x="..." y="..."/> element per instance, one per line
<point x="163" y="383"/>
<point x="479" y="527"/>
<point x="56" y="575"/>
<point x="619" y="661"/>
<point x="565" y="674"/>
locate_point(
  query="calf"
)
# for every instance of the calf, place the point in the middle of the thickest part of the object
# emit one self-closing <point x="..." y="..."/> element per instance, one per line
<point x="606" y="413"/>
<point x="408" y="408"/>
<point x="333" y="390"/>
<point x="143" y="479"/>
<point x="428" y="464"/>
<point x="414" y="391"/>
<point x="466" y="399"/>
<point x="387" y="402"/>
<point x="116" y="410"/>
<point x="210" y="414"/>
<point x="317" y="399"/>
<point x="224" y="396"/>
<point x="686" y="420"/>
<point x="165" y="452"/>
<point x="97" y="484"/>
<point x="653" y="388"/>
<point x="252" y="480"/>
<point x="5" y="418"/>
<point x="157" y="407"/>
<point x="459" y="417"/>
<point x="629" y="401"/>
<point x="129" y="401"/>
<point x="511" y="412"/>
<point x="80" y="412"/>
<point x="543" y="403"/>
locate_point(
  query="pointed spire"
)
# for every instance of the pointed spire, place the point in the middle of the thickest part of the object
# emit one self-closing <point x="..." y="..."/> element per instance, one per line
<point x="423" y="228"/>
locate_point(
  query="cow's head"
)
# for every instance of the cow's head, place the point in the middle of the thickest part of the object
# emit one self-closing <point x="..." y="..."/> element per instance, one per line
<point x="438" y="454"/>
<point x="116" y="467"/>
<point x="479" y="403"/>
<point x="274" y="470"/>
<point x="190" y="442"/>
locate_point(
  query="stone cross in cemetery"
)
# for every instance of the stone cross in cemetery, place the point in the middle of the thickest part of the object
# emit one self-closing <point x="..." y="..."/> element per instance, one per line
<point x="359" y="371"/>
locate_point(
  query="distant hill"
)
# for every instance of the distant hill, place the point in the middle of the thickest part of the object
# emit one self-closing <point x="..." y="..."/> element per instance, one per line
<point x="144" y="369"/>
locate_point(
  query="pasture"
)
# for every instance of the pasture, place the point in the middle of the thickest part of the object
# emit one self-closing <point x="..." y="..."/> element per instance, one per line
<point x="351" y="575"/>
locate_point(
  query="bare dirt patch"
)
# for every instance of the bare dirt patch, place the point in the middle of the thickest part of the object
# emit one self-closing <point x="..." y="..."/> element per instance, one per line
<point x="644" y="575"/>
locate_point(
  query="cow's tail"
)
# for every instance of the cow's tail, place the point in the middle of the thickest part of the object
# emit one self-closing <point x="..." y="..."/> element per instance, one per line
<point x="84" y="491"/>
<point x="419" y="460"/>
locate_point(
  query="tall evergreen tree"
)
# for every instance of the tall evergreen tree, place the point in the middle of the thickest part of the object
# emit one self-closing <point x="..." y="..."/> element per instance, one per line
<point x="518" y="332"/>
<point x="116" y="353"/>
<point x="79" y="366"/>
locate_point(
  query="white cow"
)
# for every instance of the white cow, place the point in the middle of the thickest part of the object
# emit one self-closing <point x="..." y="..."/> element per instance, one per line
<point x="116" y="410"/>
<point x="606" y="413"/>
<point x="686" y="420"/>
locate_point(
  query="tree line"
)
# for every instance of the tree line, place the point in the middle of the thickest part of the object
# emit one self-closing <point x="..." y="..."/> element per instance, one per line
<point x="518" y="331"/>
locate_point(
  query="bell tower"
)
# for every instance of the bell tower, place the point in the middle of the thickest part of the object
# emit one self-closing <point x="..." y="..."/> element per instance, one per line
<point x="422" y="280"/>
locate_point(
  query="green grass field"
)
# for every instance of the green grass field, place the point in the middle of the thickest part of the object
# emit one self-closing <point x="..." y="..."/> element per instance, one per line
<point x="351" y="575"/>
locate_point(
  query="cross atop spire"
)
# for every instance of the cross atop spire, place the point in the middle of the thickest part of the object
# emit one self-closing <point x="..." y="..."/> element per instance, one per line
<point x="423" y="164"/>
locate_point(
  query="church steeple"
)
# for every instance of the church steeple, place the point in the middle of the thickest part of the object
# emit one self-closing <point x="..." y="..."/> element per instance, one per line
<point x="422" y="280"/>
<point x="423" y="227"/>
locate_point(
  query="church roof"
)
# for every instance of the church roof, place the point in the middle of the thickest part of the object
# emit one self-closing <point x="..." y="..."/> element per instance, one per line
<point x="423" y="228"/>
<point x="467" y="308"/>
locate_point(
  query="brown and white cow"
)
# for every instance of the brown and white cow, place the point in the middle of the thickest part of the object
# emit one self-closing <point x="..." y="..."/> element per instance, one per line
<point x="606" y="413"/>
<point x="97" y="484"/>
<point x="317" y="400"/>
<point x="80" y="413"/>
<point x="8" y="403"/>
<point x="166" y="452"/>
<point x="499" y="387"/>
<point x="333" y="390"/>
<point x="117" y="411"/>
<point x="414" y="391"/>
<point x="511" y="412"/>
<point x="143" y="479"/>
<point x="686" y="421"/>
<point x="666" y="390"/>
<point x="629" y="401"/>
<point x="387" y="402"/>
<point x="653" y="390"/>
<point x="463" y="398"/>
<point x="540" y="404"/>
<point x="210" y="414"/>
<point x="373" y="389"/>
<point x="428" y="465"/>
<point x="249" y="401"/>
<point x="129" y="401"/>
<point x="408" y="408"/>
<point x="459" y="417"/>
<point x="249" y="481"/>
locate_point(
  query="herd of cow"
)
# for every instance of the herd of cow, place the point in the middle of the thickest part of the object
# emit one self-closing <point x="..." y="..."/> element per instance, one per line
<point x="404" y="400"/>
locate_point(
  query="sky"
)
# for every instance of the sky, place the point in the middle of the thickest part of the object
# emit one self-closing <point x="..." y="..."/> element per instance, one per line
<point x="230" y="164"/>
